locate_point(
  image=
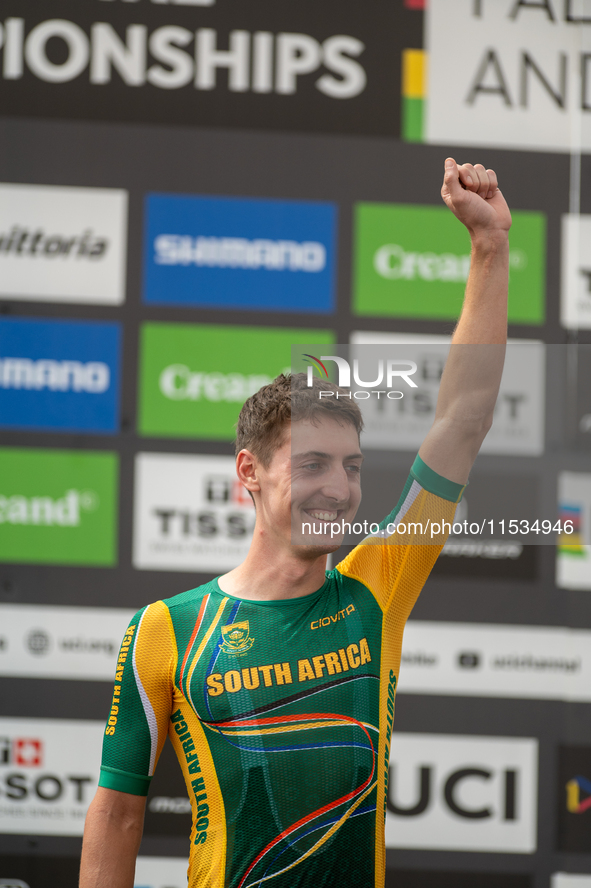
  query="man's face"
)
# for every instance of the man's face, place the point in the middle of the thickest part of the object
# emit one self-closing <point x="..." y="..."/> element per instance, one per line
<point x="313" y="481"/>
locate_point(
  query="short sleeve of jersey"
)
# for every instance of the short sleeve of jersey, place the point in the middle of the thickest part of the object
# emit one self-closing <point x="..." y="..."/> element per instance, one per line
<point x="395" y="562"/>
<point x="142" y="702"/>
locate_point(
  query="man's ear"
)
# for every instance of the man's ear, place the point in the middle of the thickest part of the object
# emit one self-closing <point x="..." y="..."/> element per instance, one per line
<point x="247" y="467"/>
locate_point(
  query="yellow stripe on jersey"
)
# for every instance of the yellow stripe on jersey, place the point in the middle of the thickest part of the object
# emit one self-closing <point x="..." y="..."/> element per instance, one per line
<point x="155" y="632"/>
<point x="207" y="866"/>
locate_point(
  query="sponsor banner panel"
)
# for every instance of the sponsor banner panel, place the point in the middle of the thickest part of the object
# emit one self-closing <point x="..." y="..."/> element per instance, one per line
<point x="207" y="62"/>
<point x="194" y="378"/>
<point x="575" y="303"/>
<point x="58" y="506"/>
<point x="62" y="244"/>
<point x="441" y="879"/>
<point x="518" y="426"/>
<point x="486" y="660"/>
<point x="190" y="513"/>
<point x="573" y="556"/>
<point x="489" y="501"/>
<point x="508" y="75"/>
<point x="413" y="262"/>
<point x="573" y="797"/>
<point x="488" y="498"/>
<point x="39" y="641"/>
<point x="49" y="771"/>
<point x="161" y="872"/>
<point x="583" y="407"/>
<point x="570" y="880"/>
<point x="222" y="252"/>
<point x="61" y="375"/>
<point x="462" y="793"/>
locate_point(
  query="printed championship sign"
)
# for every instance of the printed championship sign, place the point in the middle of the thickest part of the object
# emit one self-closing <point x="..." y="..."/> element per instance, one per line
<point x="509" y="74"/>
<point x="58" y="506"/>
<point x="260" y="65"/>
<point x="49" y="771"/>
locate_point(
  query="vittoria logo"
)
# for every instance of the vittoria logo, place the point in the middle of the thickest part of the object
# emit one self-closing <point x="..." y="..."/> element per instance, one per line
<point x="20" y="241"/>
<point x="61" y="243"/>
<point x="237" y="638"/>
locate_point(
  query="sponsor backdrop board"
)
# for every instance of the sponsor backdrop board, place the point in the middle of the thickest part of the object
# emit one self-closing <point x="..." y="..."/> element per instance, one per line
<point x="475" y="793"/>
<point x="63" y="244"/>
<point x="194" y="378"/>
<point x="575" y="304"/>
<point x="573" y="558"/>
<point x="518" y="426"/>
<point x="49" y="770"/>
<point x="573" y="790"/>
<point x="487" y="660"/>
<point x="58" y="506"/>
<point x="61" y="642"/>
<point x="570" y="880"/>
<point x="413" y="262"/>
<point x="190" y="513"/>
<point x="59" y="375"/>
<point x="187" y="180"/>
<point x="160" y="872"/>
<point x="230" y="253"/>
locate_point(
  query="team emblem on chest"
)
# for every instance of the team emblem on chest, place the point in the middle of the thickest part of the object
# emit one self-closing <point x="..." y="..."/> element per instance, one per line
<point x="237" y="639"/>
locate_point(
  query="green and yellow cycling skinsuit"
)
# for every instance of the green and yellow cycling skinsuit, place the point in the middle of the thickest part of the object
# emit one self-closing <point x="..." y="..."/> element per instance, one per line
<point x="280" y="712"/>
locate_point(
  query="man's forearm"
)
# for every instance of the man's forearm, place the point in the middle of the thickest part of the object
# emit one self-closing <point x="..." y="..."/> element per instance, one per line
<point x="112" y="837"/>
<point x="471" y="379"/>
<point x="484" y="313"/>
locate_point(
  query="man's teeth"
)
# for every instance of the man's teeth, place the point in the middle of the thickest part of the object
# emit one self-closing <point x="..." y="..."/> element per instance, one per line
<point x="324" y="516"/>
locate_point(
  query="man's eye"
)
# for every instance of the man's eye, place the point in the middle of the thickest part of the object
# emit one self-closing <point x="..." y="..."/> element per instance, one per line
<point x="354" y="469"/>
<point x="312" y="466"/>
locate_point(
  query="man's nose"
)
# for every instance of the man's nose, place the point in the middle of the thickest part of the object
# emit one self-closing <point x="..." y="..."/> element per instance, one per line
<point x="336" y="485"/>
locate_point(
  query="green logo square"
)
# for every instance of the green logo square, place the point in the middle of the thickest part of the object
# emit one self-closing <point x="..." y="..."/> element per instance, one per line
<point x="194" y="378"/>
<point x="413" y="262"/>
<point x="58" y="506"/>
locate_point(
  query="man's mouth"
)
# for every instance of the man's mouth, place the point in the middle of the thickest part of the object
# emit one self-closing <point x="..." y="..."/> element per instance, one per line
<point x="321" y="515"/>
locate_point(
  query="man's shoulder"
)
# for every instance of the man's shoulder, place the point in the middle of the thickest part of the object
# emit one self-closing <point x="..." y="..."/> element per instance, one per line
<point x="191" y="597"/>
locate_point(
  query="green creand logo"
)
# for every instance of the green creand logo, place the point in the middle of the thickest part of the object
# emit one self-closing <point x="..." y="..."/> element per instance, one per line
<point x="194" y="378"/>
<point x="413" y="262"/>
<point x="58" y="506"/>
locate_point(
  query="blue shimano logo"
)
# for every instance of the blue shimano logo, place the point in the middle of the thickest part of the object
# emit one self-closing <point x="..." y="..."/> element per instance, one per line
<point x="60" y="375"/>
<point x="239" y="253"/>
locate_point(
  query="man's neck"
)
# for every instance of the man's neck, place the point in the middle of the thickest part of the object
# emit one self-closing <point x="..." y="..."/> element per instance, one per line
<point x="269" y="574"/>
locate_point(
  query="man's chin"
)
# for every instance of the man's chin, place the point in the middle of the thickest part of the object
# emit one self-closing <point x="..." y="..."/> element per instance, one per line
<point x="315" y="547"/>
<point x="310" y="553"/>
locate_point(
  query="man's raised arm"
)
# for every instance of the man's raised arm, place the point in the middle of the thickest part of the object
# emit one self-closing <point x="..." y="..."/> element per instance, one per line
<point x="472" y="375"/>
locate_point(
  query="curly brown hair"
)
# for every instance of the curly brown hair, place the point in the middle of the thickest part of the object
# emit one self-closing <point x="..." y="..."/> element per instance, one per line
<point x="265" y="415"/>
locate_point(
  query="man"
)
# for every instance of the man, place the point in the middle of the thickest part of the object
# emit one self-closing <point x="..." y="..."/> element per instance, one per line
<point x="276" y="681"/>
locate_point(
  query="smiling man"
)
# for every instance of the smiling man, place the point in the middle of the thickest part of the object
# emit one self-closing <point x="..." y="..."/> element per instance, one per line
<point x="276" y="681"/>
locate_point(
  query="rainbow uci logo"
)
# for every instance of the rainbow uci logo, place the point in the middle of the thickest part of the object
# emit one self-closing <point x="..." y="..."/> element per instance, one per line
<point x="573" y="795"/>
